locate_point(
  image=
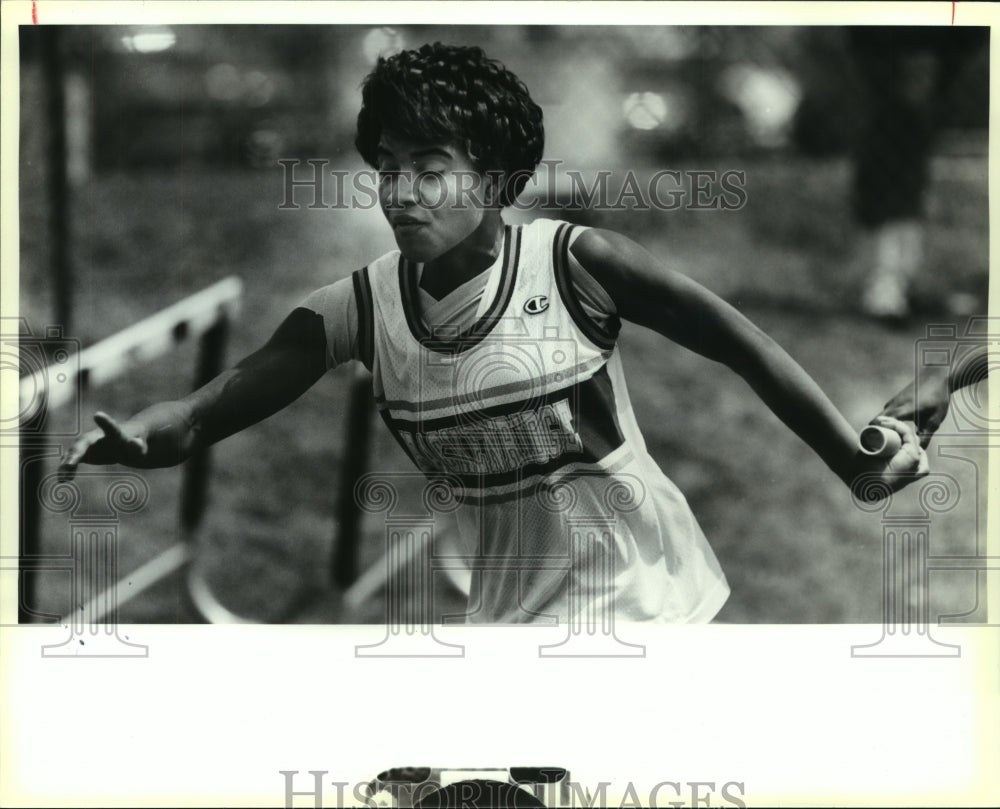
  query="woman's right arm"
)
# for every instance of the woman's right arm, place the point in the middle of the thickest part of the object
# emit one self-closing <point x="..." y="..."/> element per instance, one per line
<point x="259" y="385"/>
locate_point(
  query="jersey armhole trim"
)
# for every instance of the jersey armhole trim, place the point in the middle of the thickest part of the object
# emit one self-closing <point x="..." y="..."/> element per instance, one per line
<point x="600" y="337"/>
<point x="366" y="316"/>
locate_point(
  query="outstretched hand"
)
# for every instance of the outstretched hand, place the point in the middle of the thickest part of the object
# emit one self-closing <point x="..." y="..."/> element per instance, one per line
<point x="110" y="443"/>
<point x="926" y="407"/>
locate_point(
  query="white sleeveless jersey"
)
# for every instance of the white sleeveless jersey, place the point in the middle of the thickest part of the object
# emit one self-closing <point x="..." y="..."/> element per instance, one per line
<point x="525" y="417"/>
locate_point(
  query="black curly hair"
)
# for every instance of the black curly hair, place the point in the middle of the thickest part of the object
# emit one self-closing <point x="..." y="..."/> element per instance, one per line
<point x="455" y="94"/>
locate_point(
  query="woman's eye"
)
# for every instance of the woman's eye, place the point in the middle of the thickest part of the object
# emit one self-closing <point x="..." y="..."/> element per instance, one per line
<point x="388" y="176"/>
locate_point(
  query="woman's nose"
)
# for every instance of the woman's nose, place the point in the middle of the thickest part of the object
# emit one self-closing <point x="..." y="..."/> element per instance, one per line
<point x="401" y="190"/>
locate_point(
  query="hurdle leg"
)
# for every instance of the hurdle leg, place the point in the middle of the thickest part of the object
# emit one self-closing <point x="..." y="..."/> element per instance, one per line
<point x="194" y="487"/>
<point x="58" y="184"/>
<point x="358" y="423"/>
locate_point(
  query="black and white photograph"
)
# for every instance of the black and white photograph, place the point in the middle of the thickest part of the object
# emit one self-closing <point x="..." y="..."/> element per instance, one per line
<point x="414" y="394"/>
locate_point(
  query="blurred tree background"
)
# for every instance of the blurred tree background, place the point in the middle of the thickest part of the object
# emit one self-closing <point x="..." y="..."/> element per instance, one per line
<point x="150" y="97"/>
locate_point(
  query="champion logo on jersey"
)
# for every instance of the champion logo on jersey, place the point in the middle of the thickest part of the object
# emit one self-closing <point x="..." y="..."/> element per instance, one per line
<point x="536" y="305"/>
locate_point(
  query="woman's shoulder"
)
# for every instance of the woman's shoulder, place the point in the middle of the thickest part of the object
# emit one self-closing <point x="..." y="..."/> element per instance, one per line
<point x="344" y="287"/>
<point x="547" y="226"/>
<point x="331" y="297"/>
<point x="386" y="263"/>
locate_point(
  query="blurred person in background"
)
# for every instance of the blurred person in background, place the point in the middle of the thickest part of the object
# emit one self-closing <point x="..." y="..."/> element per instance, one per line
<point x="447" y="323"/>
<point x="906" y="74"/>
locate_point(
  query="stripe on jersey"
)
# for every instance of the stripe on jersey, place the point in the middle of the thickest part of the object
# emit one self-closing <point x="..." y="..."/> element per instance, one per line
<point x="600" y="337"/>
<point x="366" y="316"/>
<point x="440" y="339"/>
<point x="539" y="484"/>
<point x="504" y="444"/>
<point x="402" y="409"/>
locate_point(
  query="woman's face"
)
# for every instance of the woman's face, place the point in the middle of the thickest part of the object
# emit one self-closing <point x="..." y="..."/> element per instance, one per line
<point x="432" y="195"/>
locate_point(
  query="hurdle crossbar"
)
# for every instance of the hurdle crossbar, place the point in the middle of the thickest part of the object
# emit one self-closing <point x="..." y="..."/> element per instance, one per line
<point x="149" y="338"/>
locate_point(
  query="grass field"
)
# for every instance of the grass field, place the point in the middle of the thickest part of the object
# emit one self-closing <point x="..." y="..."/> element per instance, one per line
<point x="794" y="547"/>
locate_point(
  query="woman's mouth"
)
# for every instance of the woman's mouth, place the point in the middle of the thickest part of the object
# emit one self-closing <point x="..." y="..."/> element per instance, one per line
<point x="406" y="224"/>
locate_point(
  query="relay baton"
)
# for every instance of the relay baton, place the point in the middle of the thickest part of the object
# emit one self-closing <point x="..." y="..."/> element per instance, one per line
<point x="879" y="442"/>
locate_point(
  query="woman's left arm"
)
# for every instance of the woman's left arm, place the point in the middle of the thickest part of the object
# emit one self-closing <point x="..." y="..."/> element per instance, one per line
<point x="648" y="293"/>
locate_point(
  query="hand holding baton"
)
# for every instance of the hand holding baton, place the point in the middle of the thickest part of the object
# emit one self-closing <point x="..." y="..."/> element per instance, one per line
<point x="889" y="450"/>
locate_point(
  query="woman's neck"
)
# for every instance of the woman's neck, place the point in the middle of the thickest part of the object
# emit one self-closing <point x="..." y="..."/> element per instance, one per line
<point x="466" y="260"/>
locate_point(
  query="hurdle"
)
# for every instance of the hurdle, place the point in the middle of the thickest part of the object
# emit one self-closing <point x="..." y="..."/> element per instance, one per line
<point x="204" y="316"/>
